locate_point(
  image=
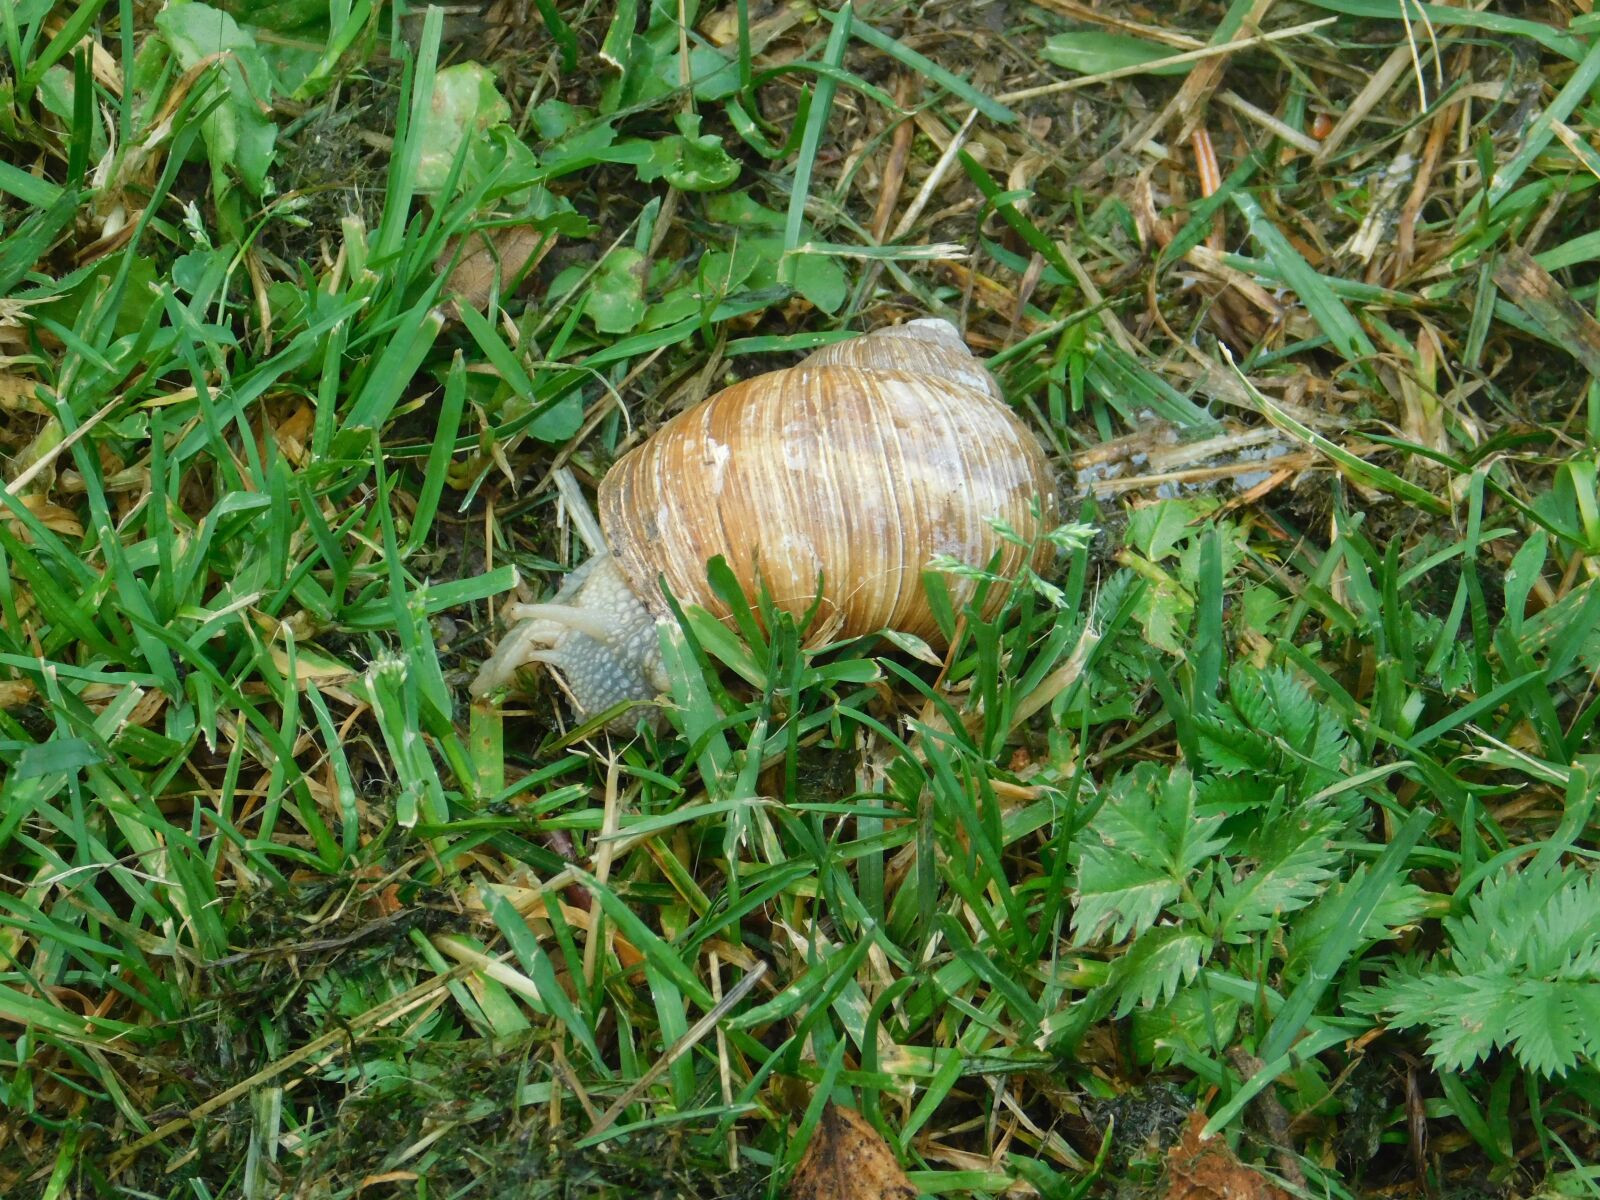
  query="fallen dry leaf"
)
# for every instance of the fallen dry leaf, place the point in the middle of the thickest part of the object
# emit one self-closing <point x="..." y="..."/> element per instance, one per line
<point x="12" y="312"/>
<point x="293" y="433"/>
<point x="52" y="516"/>
<point x="17" y="394"/>
<point x="763" y="27"/>
<point x="1208" y="1170"/>
<point x="311" y="665"/>
<point x="15" y="693"/>
<point x="493" y="258"/>
<point x="1539" y="294"/>
<point x="849" y="1160"/>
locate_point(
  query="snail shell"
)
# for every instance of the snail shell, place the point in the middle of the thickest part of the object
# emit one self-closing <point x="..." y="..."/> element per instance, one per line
<point x="855" y="468"/>
<point x="858" y="466"/>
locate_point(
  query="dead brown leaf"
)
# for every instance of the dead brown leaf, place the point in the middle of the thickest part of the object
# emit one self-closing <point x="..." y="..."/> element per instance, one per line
<point x="52" y="516"/>
<point x="12" y="313"/>
<point x="17" y="394"/>
<point x="1208" y="1170"/>
<point x="146" y="711"/>
<point x="766" y="23"/>
<point x="1539" y="294"/>
<point x="849" y="1160"/>
<point x="293" y="433"/>
<point x="493" y="257"/>
<point x="102" y="63"/>
<point x="15" y="693"/>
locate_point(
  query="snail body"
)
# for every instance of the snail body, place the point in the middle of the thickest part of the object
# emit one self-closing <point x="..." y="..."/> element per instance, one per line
<point x="856" y="468"/>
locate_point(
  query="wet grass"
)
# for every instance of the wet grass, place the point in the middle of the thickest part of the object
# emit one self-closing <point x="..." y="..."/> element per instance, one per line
<point x="1270" y="811"/>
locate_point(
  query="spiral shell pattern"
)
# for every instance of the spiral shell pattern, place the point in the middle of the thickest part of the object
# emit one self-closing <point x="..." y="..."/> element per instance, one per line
<point x="852" y="470"/>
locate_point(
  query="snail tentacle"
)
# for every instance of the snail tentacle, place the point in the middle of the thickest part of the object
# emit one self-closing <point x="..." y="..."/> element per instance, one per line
<point x="594" y="625"/>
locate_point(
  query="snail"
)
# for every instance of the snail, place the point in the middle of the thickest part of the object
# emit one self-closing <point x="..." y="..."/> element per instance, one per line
<point x="856" y="468"/>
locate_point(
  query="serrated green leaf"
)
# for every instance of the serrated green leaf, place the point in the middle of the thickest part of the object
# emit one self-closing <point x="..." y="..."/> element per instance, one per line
<point x="1160" y="528"/>
<point x="1542" y="1026"/>
<point x="1494" y="930"/>
<point x="1158" y="964"/>
<point x="1469" y="1018"/>
<point x="1402" y="904"/>
<point x="1290" y="872"/>
<point x="1232" y="747"/>
<point x="1523" y="968"/>
<point x="1192" y="839"/>
<point x="1273" y="727"/>
<point x="1141" y="849"/>
<point x="1119" y="894"/>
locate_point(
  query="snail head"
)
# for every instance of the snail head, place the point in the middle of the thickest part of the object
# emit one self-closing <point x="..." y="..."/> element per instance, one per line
<point x="595" y="633"/>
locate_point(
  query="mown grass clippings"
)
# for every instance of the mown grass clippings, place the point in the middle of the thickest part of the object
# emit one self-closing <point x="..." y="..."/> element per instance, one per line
<point x="1268" y="811"/>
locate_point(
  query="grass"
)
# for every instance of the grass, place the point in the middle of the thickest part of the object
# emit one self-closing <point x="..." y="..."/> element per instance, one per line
<point x="1268" y="813"/>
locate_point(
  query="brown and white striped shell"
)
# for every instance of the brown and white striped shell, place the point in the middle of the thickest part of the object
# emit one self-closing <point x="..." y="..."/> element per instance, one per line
<point x="856" y="468"/>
